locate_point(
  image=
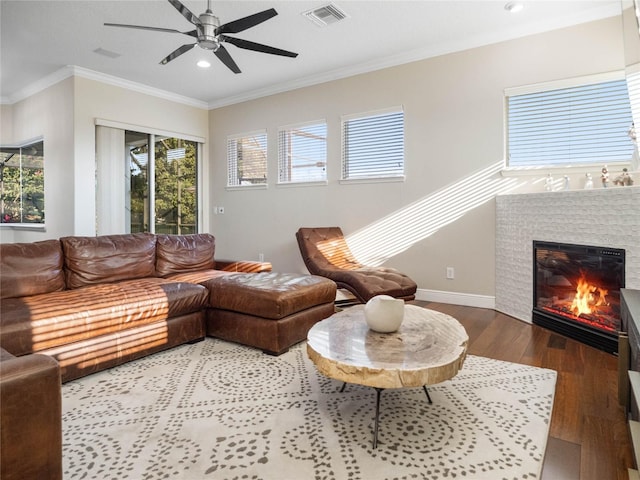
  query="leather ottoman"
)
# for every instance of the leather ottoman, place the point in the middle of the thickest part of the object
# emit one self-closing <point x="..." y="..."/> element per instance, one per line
<point x="270" y="311"/>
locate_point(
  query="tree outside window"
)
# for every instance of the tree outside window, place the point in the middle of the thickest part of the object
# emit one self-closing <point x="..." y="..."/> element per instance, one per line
<point x="22" y="183"/>
<point x="173" y="180"/>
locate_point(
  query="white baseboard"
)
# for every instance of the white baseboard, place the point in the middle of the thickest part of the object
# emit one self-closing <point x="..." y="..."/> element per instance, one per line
<point x="456" y="298"/>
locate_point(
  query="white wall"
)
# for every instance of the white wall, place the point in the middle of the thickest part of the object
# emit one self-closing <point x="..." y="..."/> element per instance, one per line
<point x="48" y="114"/>
<point x="454" y="134"/>
<point x="6" y="124"/>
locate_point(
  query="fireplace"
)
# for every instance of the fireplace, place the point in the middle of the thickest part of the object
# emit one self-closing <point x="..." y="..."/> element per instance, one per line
<point x="576" y="291"/>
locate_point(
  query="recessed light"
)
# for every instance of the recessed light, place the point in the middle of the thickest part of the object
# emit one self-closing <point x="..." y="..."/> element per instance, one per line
<point x="203" y="64"/>
<point x="513" y="7"/>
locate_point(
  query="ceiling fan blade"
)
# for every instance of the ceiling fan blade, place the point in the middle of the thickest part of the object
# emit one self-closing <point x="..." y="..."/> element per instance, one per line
<point x="193" y="33"/>
<point x="246" y="22"/>
<point x="186" y="13"/>
<point x="258" y="47"/>
<point x="225" y="58"/>
<point x="177" y="52"/>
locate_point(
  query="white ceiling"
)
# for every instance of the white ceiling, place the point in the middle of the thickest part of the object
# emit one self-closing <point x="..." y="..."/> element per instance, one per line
<point x="39" y="38"/>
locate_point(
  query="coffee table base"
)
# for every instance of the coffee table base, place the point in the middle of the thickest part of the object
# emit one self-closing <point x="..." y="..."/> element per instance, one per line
<point x="377" y="419"/>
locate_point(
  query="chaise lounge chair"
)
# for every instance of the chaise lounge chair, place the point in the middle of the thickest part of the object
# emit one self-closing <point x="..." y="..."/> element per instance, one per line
<point x="326" y="253"/>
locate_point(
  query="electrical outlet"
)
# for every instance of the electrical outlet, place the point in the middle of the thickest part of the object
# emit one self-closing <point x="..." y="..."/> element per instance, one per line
<point x="261" y="257"/>
<point x="450" y="273"/>
<point x="221" y="210"/>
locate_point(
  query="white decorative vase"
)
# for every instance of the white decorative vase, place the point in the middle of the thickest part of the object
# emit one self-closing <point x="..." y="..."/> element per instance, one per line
<point x="384" y="313"/>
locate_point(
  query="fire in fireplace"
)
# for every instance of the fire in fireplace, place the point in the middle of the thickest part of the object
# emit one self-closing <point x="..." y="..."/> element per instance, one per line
<point x="576" y="291"/>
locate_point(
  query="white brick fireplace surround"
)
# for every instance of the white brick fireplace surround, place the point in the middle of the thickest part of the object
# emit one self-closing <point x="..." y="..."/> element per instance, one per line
<point x="608" y="217"/>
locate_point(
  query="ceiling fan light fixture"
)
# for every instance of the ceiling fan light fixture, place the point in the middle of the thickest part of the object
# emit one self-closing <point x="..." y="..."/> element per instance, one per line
<point x="207" y="37"/>
<point x="209" y="44"/>
<point x="203" y="64"/>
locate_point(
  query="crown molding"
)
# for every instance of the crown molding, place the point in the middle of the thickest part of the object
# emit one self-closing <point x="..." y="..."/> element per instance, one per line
<point x="75" y="71"/>
<point x="39" y="85"/>
<point x="420" y="54"/>
<point x="137" y="87"/>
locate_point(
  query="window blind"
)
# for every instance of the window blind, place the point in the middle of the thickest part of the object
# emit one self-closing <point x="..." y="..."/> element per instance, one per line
<point x="302" y="153"/>
<point x="373" y="145"/>
<point x="633" y="85"/>
<point x="570" y="126"/>
<point x="247" y="159"/>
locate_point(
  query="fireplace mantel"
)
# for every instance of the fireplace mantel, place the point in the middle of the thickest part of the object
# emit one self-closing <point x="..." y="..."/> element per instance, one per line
<point x="608" y="217"/>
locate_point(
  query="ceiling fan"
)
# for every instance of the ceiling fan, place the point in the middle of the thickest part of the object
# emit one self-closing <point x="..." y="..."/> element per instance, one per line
<point x="211" y="35"/>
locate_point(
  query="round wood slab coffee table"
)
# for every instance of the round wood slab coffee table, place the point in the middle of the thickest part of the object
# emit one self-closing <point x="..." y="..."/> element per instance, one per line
<point x="428" y="348"/>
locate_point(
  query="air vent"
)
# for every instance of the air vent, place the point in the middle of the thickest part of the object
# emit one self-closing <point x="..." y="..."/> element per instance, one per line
<point x="107" y="53"/>
<point x="326" y="15"/>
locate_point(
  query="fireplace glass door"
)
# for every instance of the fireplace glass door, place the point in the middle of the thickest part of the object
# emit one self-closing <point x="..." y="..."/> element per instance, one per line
<point x="577" y="291"/>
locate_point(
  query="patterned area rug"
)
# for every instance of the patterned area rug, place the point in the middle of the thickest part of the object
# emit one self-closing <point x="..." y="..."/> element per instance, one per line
<point x="223" y="411"/>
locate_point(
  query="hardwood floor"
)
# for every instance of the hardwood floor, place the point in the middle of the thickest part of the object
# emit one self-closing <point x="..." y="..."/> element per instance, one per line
<point x="588" y="430"/>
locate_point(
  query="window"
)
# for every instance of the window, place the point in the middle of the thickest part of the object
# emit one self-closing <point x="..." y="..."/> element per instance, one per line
<point x="22" y="183"/>
<point x="585" y="121"/>
<point x="247" y="159"/>
<point x="302" y="153"/>
<point x="373" y="145"/>
<point x="163" y="184"/>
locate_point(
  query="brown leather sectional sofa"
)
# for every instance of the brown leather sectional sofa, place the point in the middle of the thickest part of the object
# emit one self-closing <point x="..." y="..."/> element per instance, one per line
<point x="77" y="305"/>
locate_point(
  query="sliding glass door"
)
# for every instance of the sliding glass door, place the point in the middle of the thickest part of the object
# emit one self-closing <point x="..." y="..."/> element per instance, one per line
<point x="162" y="186"/>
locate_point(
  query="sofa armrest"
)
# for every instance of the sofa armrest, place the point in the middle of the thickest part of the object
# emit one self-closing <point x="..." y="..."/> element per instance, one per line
<point x="243" y="266"/>
<point x="30" y="416"/>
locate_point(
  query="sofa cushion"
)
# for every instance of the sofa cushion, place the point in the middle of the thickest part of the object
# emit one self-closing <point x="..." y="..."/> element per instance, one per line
<point x="31" y="268"/>
<point x="31" y="324"/>
<point x="200" y="276"/>
<point x="184" y="253"/>
<point x="108" y="258"/>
